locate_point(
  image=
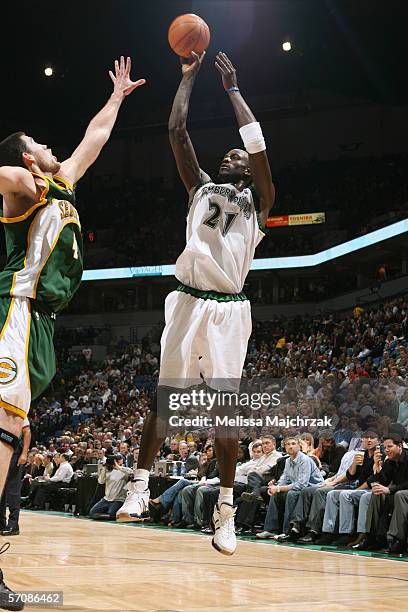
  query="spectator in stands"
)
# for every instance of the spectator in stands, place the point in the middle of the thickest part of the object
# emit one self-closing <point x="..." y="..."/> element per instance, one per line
<point x="193" y="449"/>
<point x="386" y="485"/>
<point x="61" y="478"/>
<point x="206" y="463"/>
<point x="126" y="455"/>
<point x="49" y="467"/>
<point x="127" y="437"/>
<point x="78" y="461"/>
<point x="172" y="449"/>
<point x="403" y="409"/>
<point x="37" y="467"/>
<point x="397" y="533"/>
<point x="356" y="439"/>
<point x="307" y="447"/>
<point x="134" y="441"/>
<point x="191" y="497"/>
<point x="329" y="453"/>
<point x="343" y="433"/>
<point x="309" y="511"/>
<point x="183" y="451"/>
<point x="135" y="454"/>
<point x="388" y="405"/>
<point x="27" y="468"/>
<point x="340" y="504"/>
<point x="300" y="472"/>
<point x="259" y="475"/>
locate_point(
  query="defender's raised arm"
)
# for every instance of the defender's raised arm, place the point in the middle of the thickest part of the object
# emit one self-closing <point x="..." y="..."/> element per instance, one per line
<point x="100" y="128"/>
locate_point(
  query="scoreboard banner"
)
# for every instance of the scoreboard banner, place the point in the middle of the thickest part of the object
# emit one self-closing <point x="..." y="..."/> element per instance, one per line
<point x="304" y="219"/>
<point x="277" y="221"/>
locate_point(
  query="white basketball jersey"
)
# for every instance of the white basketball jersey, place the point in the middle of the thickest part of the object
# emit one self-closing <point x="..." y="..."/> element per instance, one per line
<point x="222" y="233"/>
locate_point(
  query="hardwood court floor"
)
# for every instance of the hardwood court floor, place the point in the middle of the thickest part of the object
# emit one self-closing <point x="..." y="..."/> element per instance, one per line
<point x="121" y="567"/>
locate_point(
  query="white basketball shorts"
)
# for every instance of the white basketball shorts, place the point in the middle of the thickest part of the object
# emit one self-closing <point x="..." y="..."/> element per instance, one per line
<point x="204" y="339"/>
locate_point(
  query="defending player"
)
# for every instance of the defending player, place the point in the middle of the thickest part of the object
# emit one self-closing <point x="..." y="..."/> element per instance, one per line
<point x="209" y="317"/>
<point x="44" y="262"/>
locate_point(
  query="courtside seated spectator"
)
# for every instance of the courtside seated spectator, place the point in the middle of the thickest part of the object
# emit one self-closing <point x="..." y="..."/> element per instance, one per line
<point x="388" y="486"/>
<point x="49" y="485"/>
<point x="258" y="475"/>
<point x="300" y="472"/>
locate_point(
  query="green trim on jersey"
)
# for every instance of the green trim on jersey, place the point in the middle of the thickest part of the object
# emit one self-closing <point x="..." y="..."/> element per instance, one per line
<point x="212" y="295"/>
<point x="58" y="192"/>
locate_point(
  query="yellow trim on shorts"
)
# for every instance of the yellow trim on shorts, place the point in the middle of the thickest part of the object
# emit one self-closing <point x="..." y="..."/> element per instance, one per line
<point x="13" y="282"/>
<point x="68" y="222"/>
<point x="28" y="345"/>
<point x="14" y="409"/>
<point x="6" y="322"/>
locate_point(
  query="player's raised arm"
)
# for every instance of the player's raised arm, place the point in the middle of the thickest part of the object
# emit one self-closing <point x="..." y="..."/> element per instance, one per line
<point x="251" y="134"/>
<point x="100" y="128"/>
<point x="186" y="160"/>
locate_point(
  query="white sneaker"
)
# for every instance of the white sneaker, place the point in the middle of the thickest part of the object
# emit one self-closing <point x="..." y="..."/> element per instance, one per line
<point x="224" y="539"/>
<point x="266" y="535"/>
<point x="136" y="503"/>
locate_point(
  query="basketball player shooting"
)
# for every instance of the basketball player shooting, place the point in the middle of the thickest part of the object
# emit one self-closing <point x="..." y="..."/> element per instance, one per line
<point x="44" y="264"/>
<point x="208" y="318"/>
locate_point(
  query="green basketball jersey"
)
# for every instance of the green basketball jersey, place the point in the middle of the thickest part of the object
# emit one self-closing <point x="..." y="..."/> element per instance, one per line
<point x="44" y="249"/>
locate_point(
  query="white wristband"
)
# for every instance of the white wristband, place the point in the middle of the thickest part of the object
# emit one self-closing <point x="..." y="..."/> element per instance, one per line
<point x="252" y="137"/>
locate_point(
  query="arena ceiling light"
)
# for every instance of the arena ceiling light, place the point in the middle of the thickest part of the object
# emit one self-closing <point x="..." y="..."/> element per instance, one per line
<point x="287" y="46"/>
<point x="48" y="71"/>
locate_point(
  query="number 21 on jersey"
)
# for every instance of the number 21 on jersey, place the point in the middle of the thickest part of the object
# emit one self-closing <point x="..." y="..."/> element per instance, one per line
<point x="214" y="219"/>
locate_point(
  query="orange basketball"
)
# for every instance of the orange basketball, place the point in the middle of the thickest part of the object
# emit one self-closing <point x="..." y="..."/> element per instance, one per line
<point x="188" y="33"/>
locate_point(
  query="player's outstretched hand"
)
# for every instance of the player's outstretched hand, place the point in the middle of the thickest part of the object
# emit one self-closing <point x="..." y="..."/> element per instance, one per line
<point x="191" y="65"/>
<point x="122" y="83"/>
<point x="226" y="69"/>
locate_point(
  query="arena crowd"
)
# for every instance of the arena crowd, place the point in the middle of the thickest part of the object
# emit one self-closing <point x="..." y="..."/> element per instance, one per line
<point x="307" y="483"/>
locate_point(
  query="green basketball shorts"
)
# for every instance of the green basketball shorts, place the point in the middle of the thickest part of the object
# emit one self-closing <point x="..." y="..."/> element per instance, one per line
<point x="27" y="357"/>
